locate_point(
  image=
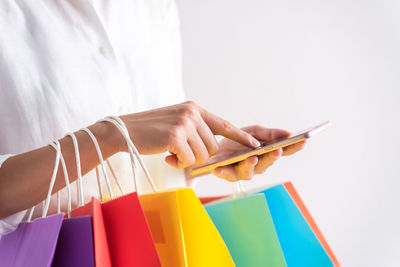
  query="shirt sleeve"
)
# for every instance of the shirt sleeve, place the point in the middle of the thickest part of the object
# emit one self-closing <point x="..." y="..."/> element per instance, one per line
<point x="11" y="222"/>
<point x="4" y="158"/>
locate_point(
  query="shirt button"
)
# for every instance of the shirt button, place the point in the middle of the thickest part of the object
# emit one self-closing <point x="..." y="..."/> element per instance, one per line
<point x="103" y="50"/>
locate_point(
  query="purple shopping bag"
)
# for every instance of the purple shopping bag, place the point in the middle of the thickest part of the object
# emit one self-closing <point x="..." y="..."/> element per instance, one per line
<point x="32" y="243"/>
<point x="75" y="243"/>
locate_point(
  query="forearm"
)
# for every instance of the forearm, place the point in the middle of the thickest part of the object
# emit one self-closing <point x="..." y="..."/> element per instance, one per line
<point x="25" y="178"/>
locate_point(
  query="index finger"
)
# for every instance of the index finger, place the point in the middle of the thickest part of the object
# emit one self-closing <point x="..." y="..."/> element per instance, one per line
<point x="222" y="127"/>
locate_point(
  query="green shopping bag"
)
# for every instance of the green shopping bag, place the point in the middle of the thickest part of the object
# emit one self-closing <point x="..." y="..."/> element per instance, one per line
<point x="248" y="230"/>
<point x="301" y="240"/>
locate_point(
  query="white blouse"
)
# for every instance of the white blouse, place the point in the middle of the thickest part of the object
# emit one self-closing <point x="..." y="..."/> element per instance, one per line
<point x="65" y="64"/>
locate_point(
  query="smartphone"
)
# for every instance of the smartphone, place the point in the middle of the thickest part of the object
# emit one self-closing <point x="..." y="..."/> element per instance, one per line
<point x="223" y="160"/>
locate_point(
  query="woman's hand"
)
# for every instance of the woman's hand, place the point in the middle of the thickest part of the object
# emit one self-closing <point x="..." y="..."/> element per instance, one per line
<point x="246" y="169"/>
<point x="185" y="130"/>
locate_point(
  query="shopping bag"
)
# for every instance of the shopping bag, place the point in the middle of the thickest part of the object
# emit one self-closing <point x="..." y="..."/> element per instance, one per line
<point x="128" y="234"/>
<point x="100" y="244"/>
<point x="93" y="209"/>
<point x="33" y="243"/>
<point x="247" y="228"/>
<point x="75" y="242"/>
<point x="182" y="231"/>
<point x="205" y="200"/>
<point x="302" y="242"/>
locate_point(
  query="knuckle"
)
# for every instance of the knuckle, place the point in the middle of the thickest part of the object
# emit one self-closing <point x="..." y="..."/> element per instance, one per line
<point x="189" y="109"/>
<point x="174" y="133"/>
<point x="256" y="129"/>
<point x="190" y="103"/>
<point x="183" y="120"/>
<point x="227" y="126"/>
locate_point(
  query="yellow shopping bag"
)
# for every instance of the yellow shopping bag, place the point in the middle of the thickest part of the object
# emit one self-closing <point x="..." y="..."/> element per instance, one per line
<point x="182" y="230"/>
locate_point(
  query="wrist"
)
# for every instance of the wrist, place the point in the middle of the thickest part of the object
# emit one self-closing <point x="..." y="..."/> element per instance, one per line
<point x="109" y="138"/>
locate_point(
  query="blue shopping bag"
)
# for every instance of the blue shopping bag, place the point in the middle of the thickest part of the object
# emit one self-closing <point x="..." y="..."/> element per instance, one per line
<point x="302" y="242"/>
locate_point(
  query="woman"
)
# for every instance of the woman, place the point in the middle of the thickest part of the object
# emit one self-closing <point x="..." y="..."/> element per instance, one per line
<point x="66" y="64"/>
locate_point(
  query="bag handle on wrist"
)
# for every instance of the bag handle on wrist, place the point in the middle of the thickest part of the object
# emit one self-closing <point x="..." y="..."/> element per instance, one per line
<point x="120" y="125"/>
<point x="67" y="185"/>
<point x="131" y="155"/>
<point x="96" y="144"/>
<point x="52" y="181"/>
<point x="81" y="200"/>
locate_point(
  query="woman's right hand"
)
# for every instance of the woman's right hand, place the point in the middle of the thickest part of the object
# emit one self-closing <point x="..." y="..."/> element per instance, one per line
<point x="185" y="130"/>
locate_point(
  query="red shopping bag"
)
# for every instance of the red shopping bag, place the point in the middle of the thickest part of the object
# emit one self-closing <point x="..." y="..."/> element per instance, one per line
<point x="129" y="237"/>
<point x="128" y="233"/>
<point x="205" y="200"/>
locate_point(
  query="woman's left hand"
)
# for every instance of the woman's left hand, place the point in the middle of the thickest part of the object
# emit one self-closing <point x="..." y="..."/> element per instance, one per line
<point x="246" y="169"/>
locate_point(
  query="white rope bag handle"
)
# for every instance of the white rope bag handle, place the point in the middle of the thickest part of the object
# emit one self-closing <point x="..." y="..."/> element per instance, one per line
<point x="135" y="151"/>
<point x="114" y="175"/>
<point x="67" y="185"/>
<point x="96" y="144"/>
<point x="80" y="191"/>
<point x="52" y="181"/>
<point x="79" y="184"/>
<point x="117" y="122"/>
<point x="59" y="157"/>
<point x="238" y="190"/>
<point x="132" y="157"/>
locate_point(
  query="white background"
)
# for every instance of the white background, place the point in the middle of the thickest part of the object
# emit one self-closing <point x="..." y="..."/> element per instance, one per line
<point x="293" y="64"/>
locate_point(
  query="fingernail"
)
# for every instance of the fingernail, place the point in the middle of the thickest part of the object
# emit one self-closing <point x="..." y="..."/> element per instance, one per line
<point x="255" y="143"/>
